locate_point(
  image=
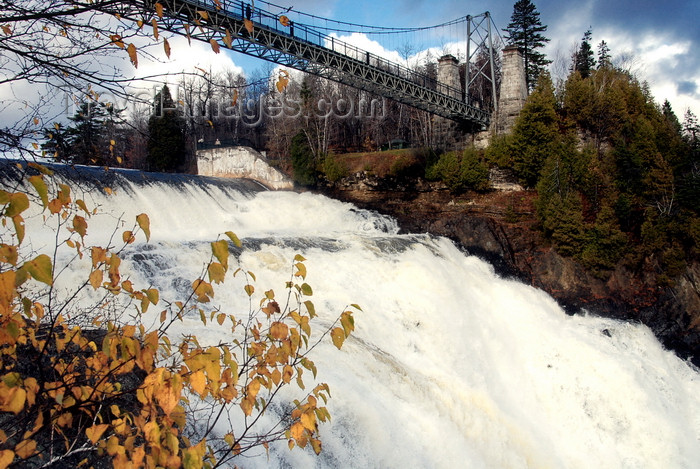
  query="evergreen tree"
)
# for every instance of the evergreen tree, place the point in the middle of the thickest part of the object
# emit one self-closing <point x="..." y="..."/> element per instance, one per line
<point x="302" y="160"/>
<point x="584" y="62"/>
<point x="536" y="133"/>
<point x="166" y="135"/>
<point x="604" y="58"/>
<point x="85" y="136"/>
<point x="56" y="142"/>
<point x="525" y="31"/>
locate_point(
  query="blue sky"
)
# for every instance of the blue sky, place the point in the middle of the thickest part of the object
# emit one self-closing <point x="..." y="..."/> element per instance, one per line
<point x="660" y="41"/>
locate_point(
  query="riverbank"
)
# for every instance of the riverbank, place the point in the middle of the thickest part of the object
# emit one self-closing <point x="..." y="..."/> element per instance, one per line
<point x="500" y="227"/>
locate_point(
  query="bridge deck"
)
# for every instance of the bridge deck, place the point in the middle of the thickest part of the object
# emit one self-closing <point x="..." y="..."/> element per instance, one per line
<point x="303" y="48"/>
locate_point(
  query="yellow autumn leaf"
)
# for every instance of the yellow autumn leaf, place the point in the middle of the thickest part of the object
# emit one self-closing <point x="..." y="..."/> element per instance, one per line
<point x="231" y="235"/>
<point x="203" y="290"/>
<point x="40" y="268"/>
<point x="25" y="449"/>
<point x="96" y="279"/>
<point x="297" y="431"/>
<point x="220" y="250"/>
<point x="338" y="337"/>
<point x="95" y="432"/>
<point x="12" y="399"/>
<point x="153" y="295"/>
<point x="41" y="188"/>
<point x="203" y="14"/>
<point x="159" y="9"/>
<point x="228" y="40"/>
<point x="308" y="420"/>
<point x="6" y="457"/>
<point x="16" y="203"/>
<point x="167" y="398"/>
<point x="279" y="330"/>
<point x="217" y="273"/>
<point x="198" y="382"/>
<point x="154" y="22"/>
<point x="144" y="224"/>
<point x="166" y="47"/>
<point x="316" y="445"/>
<point x="193" y="458"/>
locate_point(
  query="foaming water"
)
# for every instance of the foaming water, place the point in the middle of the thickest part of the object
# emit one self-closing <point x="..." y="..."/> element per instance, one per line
<point x="450" y="365"/>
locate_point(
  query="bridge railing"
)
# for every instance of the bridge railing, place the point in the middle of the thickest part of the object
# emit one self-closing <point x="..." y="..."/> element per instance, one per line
<point x="306" y="33"/>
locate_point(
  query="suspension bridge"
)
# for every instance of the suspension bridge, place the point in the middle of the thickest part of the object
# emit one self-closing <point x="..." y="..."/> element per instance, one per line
<point x="311" y="44"/>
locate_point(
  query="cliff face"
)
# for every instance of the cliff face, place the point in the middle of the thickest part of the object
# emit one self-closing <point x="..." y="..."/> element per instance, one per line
<point x="499" y="227"/>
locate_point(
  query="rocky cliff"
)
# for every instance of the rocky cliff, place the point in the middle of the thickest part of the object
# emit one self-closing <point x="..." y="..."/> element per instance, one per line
<point x="500" y="227"/>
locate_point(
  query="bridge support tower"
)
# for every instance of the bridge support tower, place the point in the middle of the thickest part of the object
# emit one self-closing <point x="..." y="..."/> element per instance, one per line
<point x="447" y="133"/>
<point x="513" y="91"/>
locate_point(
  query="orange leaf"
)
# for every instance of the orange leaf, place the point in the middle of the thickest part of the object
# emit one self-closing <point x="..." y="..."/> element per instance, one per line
<point x="155" y="28"/>
<point x="279" y="330"/>
<point x="248" y="26"/>
<point x="285" y="21"/>
<point x="131" y="50"/>
<point x="214" y="45"/>
<point x="203" y="14"/>
<point x="80" y="225"/>
<point x="128" y="237"/>
<point x="159" y="10"/>
<point x="117" y="40"/>
<point x="166" y="46"/>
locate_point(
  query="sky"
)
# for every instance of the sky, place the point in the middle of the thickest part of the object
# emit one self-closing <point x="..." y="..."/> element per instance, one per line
<point x="658" y="41"/>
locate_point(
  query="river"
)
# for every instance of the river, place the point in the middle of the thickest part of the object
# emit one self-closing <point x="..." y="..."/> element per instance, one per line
<point x="450" y="366"/>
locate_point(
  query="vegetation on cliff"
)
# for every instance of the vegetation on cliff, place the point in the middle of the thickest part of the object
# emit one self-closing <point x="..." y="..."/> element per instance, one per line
<point x="617" y="176"/>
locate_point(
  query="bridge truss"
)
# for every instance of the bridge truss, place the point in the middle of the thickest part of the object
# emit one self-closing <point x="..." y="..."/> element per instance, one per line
<point x="259" y="33"/>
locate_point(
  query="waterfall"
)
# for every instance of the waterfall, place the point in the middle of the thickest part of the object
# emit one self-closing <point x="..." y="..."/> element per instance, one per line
<point x="450" y="365"/>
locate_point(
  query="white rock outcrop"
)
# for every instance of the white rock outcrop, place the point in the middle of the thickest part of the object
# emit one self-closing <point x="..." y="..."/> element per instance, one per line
<point x="241" y="162"/>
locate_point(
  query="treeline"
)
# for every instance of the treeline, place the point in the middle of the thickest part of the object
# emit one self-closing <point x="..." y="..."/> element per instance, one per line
<point x="617" y="176"/>
<point x="265" y="111"/>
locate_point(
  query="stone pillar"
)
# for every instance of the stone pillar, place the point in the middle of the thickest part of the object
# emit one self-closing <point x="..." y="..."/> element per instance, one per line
<point x="448" y="74"/>
<point x="447" y="134"/>
<point x="513" y="90"/>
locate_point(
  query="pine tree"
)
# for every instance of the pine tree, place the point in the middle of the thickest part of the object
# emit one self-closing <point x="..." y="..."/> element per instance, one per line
<point x="604" y="58"/>
<point x="166" y="135"/>
<point x="525" y="31"/>
<point x="536" y="133"/>
<point x="85" y="136"/>
<point x="584" y="62"/>
<point x="57" y="144"/>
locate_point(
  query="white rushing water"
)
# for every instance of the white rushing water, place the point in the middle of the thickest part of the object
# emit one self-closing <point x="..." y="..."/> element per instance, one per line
<point x="450" y="365"/>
